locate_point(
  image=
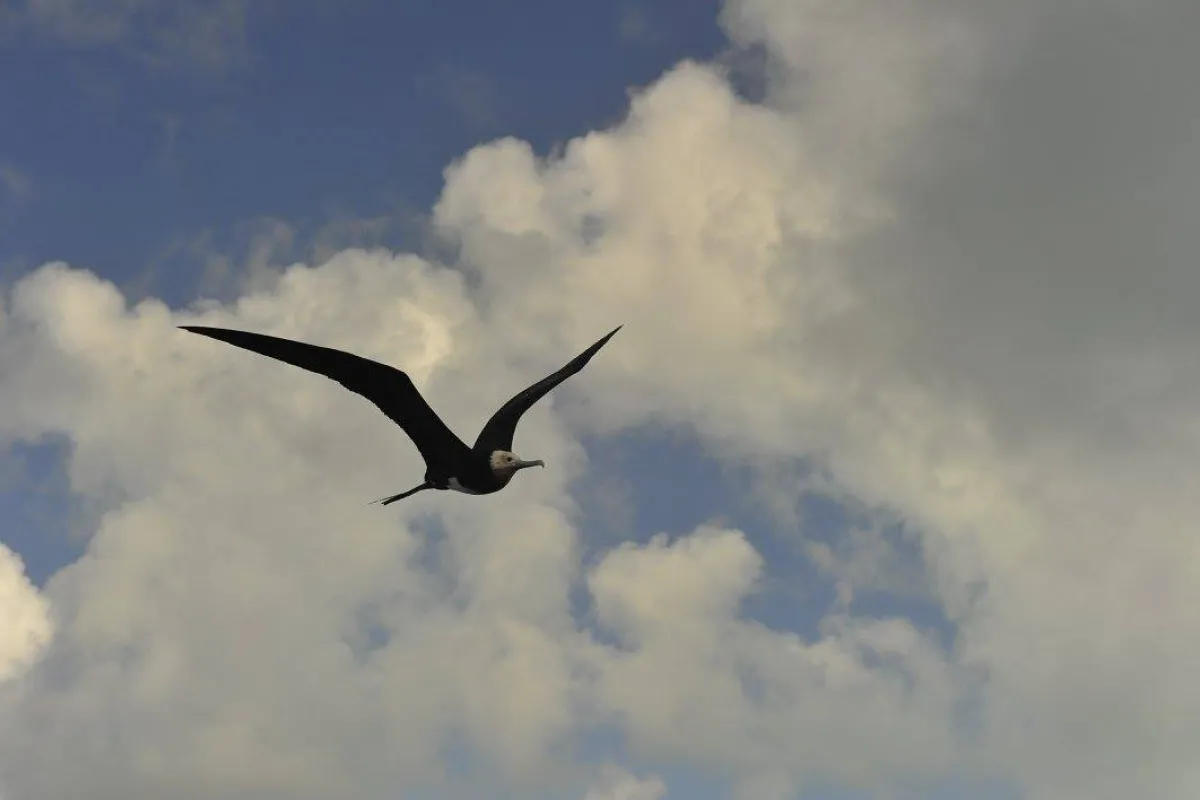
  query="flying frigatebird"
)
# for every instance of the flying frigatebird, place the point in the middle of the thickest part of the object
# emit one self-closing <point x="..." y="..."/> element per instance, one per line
<point x="486" y="467"/>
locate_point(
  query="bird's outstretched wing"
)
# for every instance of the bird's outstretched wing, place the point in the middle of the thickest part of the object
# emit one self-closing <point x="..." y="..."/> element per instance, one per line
<point x="388" y="388"/>
<point x="498" y="433"/>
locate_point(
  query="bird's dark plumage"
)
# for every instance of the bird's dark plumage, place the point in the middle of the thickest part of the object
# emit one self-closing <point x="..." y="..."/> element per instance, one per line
<point x="388" y="388"/>
<point x="497" y="434"/>
<point x="450" y="464"/>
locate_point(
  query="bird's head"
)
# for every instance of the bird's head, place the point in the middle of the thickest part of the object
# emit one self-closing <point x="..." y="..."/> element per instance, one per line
<point x="505" y="464"/>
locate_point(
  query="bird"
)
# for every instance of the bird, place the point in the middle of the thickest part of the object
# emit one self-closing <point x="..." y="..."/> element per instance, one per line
<point x="484" y="468"/>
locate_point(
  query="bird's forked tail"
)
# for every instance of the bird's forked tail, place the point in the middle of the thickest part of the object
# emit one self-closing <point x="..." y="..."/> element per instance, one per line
<point x="402" y="495"/>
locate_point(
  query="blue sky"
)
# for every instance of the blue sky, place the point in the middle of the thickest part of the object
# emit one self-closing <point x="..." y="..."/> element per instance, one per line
<point x="881" y="485"/>
<point x="351" y="111"/>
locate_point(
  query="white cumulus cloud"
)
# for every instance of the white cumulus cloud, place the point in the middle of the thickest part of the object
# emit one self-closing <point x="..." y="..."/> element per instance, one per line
<point x="25" y="623"/>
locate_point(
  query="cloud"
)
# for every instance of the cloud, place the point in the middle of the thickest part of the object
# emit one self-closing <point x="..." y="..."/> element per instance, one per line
<point x="866" y="558"/>
<point x="14" y="183"/>
<point x="247" y="643"/>
<point x="472" y="94"/>
<point x="634" y="25"/>
<point x="655" y="591"/>
<point x="769" y="697"/>
<point x="209" y="35"/>
<point x="617" y="784"/>
<point x="168" y="160"/>
<point x="27" y="627"/>
<point x="875" y="268"/>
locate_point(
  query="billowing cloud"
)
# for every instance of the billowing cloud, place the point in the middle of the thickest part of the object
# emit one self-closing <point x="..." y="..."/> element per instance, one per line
<point x="25" y="625"/>
<point x="768" y="697"/>
<point x="914" y="262"/>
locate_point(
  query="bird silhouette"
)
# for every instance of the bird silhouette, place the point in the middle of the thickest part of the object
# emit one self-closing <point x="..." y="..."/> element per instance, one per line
<point x="484" y="468"/>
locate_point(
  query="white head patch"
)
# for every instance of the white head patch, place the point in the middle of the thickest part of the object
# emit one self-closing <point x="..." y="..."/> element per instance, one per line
<point x="502" y="461"/>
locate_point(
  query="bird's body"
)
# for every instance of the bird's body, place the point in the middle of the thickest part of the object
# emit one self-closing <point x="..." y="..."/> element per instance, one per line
<point x="485" y="468"/>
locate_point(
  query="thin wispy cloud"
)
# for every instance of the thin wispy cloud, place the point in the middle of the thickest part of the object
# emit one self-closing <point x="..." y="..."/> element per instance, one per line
<point x="472" y="94"/>
<point x="14" y="183"/>
<point x="635" y="25"/>
<point x="168" y="159"/>
<point x="206" y="35"/>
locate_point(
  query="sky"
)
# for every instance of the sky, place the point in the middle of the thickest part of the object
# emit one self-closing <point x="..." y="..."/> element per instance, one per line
<point x="885" y="489"/>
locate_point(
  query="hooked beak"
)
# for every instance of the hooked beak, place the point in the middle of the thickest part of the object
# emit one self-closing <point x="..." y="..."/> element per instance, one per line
<point x="524" y="464"/>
